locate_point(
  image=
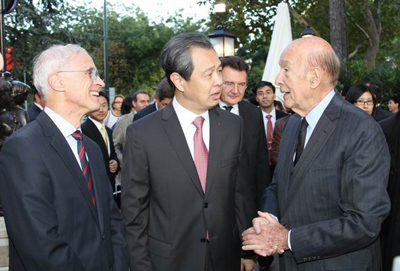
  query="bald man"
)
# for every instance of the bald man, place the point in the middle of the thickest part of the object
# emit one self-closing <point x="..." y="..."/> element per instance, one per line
<point x="330" y="180"/>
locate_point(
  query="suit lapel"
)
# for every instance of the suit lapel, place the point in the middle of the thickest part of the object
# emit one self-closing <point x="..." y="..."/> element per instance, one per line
<point x="97" y="137"/>
<point x="214" y="148"/>
<point x="61" y="146"/>
<point x="317" y="141"/>
<point x="177" y="139"/>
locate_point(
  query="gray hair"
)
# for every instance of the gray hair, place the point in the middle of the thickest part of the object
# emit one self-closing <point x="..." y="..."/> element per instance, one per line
<point x="49" y="62"/>
<point x="176" y="54"/>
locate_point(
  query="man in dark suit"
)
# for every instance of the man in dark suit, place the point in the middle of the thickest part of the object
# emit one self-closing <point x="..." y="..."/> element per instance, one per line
<point x="37" y="107"/>
<point x="94" y="128"/>
<point x="234" y="76"/>
<point x="163" y="96"/>
<point x="56" y="197"/>
<point x="184" y="194"/>
<point x="329" y="188"/>
<point x="390" y="234"/>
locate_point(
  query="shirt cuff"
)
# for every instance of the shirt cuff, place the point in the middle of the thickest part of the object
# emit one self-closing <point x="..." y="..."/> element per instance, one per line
<point x="288" y="241"/>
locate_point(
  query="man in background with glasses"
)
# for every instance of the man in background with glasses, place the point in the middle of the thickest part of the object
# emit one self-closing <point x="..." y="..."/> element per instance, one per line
<point x="58" y="205"/>
<point x="234" y="77"/>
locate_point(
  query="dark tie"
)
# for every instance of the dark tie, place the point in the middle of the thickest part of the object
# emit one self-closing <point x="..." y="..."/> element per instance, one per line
<point x="200" y="152"/>
<point x="228" y="107"/>
<point x="301" y="140"/>
<point x="84" y="163"/>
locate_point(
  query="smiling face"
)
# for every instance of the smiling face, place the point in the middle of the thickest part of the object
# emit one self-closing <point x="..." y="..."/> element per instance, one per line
<point x="203" y="89"/>
<point x="101" y="114"/>
<point x="265" y="96"/>
<point x="234" y="85"/>
<point x="79" y="87"/>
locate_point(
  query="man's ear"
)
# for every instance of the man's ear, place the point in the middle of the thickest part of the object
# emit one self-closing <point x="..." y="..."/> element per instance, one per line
<point x="56" y="83"/>
<point x="178" y="81"/>
<point x="316" y="77"/>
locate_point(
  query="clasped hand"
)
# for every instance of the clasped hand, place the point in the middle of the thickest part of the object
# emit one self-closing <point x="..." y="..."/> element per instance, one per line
<point x="266" y="237"/>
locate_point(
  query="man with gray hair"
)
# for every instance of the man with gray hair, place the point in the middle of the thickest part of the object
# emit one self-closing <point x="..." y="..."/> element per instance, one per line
<point x="185" y="196"/>
<point x="58" y="206"/>
<point x="329" y="188"/>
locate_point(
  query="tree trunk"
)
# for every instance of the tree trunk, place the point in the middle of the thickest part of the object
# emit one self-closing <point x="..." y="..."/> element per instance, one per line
<point x="338" y="27"/>
<point x="374" y="30"/>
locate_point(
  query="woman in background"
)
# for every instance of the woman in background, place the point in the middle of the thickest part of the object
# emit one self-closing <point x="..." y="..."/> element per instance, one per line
<point x="361" y="96"/>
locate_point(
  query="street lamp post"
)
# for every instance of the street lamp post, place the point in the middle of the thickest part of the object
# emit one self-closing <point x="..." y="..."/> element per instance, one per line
<point x="223" y="41"/>
<point x="105" y="47"/>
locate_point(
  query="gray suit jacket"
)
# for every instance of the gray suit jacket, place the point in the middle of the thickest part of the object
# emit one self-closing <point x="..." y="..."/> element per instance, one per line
<point x="166" y="211"/>
<point x="334" y="200"/>
<point x="51" y="220"/>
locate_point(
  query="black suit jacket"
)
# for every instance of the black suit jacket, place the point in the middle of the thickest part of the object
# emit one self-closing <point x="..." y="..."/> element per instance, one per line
<point x="145" y="111"/>
<point x="280" y="114"/>
<point x="334" y="200"/>
<point x="256" y="147"/>
<point x="33" y="112"/>
<point x="390" y="234"/>
<point x="166" y="211"/>
<point x="90" y="129"/>
<point x="381" y="114"/>
<point x="51" y="221"/>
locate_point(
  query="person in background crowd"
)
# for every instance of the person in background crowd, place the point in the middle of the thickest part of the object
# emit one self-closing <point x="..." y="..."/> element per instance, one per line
<point x="94" y="128"/>
<point x="184" y="195"/>
<point x="127" y="106"/>
<point x="163" y="96"/>
<point x="393" y="104"/>
<point x="37" y="107"/>
<point x="361" y="96"/>
<point x="278" y="106"/>
<point x="390" y="234"/>
<point x="115" y="112"/>
<point x="58" y="207"/>
<point x="328" y="199"/>
<point x="376" y="89"/>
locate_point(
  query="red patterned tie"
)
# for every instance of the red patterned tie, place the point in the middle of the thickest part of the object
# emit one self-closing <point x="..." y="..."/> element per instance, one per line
<point x="269" y="131"/>
<point x="200" y="152"/>
<point x="84" y="163"/>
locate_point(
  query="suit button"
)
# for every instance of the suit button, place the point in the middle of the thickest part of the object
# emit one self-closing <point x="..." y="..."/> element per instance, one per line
<point x="203" y="240"/>
<point x="103" y="237"/>
<point x="205" y="205"/>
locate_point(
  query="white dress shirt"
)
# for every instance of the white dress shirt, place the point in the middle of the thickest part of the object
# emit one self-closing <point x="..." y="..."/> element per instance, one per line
<point x="273" y="118"/>
<point x="235" y="108"/>
<point x="186" y="119"/>
<point x="99" y="127"/>
<point x="66" y="129"/>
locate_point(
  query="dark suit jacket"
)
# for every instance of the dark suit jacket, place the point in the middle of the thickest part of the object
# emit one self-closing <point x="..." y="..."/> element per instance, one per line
<point x="334" y="200"/>
<point x="256" y="147"/>
<point x="51" y="221"/>
<point x="166" y="211"/>
<point x="90" y="129"/>
<point x="381" y="114"/>
<point x="280" y="114"/>
<point x="33" y="112"/>
<point x="145" y="111"/>
<point x="390" y="234"/>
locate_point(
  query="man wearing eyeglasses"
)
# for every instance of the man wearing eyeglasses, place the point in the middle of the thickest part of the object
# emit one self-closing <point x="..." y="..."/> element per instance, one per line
<point x="234" y="76"/>
<point x="57" y="200"/>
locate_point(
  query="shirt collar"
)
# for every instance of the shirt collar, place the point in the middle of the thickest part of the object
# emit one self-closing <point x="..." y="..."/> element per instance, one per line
<point x="222" y="104"/>
<point x="62" y="124"/>
<point x="99" y="125"/>
<point x="186" y="117"/>
<point x="39" y="105"/>
<point x="315" y="114"/>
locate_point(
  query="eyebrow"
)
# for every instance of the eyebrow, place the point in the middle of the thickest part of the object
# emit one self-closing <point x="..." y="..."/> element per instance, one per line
<point x="283" y="62"/>
<point x="210" y="69"/>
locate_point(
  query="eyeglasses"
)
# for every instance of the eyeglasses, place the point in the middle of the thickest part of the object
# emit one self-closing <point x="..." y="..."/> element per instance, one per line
<point x="92" y="72"/>
<point x="233" y="85"/>
<point x="362" y="102"/>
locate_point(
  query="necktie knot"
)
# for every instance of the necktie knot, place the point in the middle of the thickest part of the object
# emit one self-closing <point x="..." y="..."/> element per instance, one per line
<point x="198" y="122"/>
<point x="269" y="117"/>
<point x="77" y="135"/>
<point x="304" y="124"/>
<point x="228" y="107"/>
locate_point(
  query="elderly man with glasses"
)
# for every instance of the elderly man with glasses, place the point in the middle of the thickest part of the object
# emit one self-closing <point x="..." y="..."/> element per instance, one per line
<point x="58" y="205"/>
